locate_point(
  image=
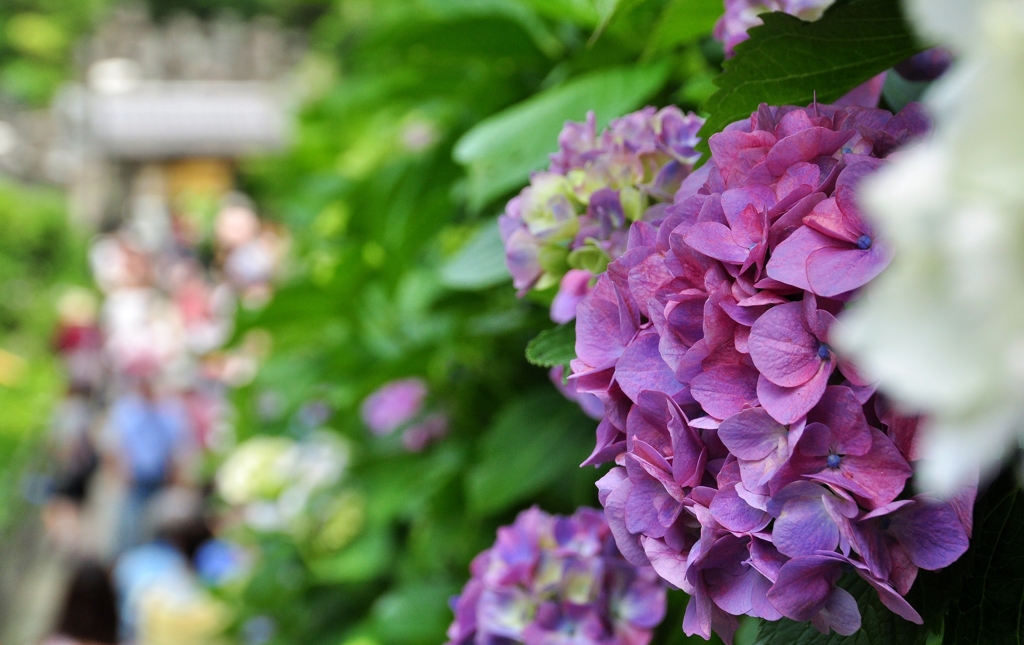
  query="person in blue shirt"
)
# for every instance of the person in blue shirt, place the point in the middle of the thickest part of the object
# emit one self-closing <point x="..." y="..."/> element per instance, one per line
<point x="150" y="434"/>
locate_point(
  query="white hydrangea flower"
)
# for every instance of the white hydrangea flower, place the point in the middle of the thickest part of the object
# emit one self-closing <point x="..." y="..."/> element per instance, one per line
<point x="256" y="469"/>
<point x="943" y="328"/>
<point x="274" y="478"/>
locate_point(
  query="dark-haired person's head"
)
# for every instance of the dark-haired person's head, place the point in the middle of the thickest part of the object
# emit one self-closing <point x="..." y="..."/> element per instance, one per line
<point x="90" y="608"/>
<point x="186" y="536"/>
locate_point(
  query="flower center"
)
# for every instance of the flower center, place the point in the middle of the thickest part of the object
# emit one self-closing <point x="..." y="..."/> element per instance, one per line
<point x="833" y="461"/>
<point x="864" y="242"/>
<point x="823" y="351"/>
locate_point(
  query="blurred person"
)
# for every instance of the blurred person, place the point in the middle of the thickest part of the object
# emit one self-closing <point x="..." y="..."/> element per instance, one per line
<point x="144" y="330"/>
<point x="205" y="310"/>
<point x="236" y="225"/>
<point x="89" y="615"/>
<point x="76" y="462"/>
<point x="72" y="444"/>
<point x="117" y="263"/>
<point x="151" y="439"/>
<point x="79" y="341"/>
<point x="161" y="598"/>
<point x="207" y="406"/>
<point x="250" y="267"/>
<point x="248" y="250"/>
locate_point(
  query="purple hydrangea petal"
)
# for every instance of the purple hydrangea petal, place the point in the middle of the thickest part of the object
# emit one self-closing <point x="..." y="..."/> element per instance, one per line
<point x="804" y="586"/>
<point x="867" y="94"/>
<point x="605" y="325"/>
<point x="788" y="263"/>
<point x="575" y="285"/>
<point x="615" y="510"/>
<point x="649" y="506"/>
<point x="840" y="613"/>
<point x="716" y="241"/>
<point x="875" y="478"/>
<point x="842" y="413"/>
<point x="751" y="434"/>
<point x="668" y="562"/>
<point x="803" y="524"/>
<point x="734" y="514"/>
<point x="641" y="367"/>
<point x="725" y="390"/>
<point x="790" y="404"/>
<point x="833" y="270"/>
<point x="930" y="532"/>
<point x="804" y="146"/>
<point x="926" y="66"/>
<point x="393" y="405"/>
<point x="783" y="348"/>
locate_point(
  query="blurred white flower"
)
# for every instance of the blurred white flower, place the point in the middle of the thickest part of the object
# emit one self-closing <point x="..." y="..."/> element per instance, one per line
<point x="273" y="478"/>
<point x="943" y="328"/>
<point x="257" y="469"/>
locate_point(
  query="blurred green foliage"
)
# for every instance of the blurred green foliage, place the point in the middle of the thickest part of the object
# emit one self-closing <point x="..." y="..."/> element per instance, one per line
<point x="36" y="43"/>
<point x="40" y="256"/>
<point x="428" y="116"/>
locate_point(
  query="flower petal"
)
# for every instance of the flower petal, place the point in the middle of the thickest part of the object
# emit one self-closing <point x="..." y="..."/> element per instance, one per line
<point x="803" y="524"/>
<point x="783" y="347"/>
<point x="875" y="478"/>
<point x="804" y="586"/>
<point x="790" y="404"/>
<point x="716" y="241"/>
<point x="832" y="271"/>
<point x="788" y="263"/>
<point x="930" y="532"/>
<point x="751" y="434"/>
<point x="641" y="368"/>
<point x="725" y="390"/>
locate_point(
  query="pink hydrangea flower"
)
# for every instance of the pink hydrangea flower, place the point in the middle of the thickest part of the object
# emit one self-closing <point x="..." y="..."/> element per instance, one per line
<point x="401" y="406"/>
<point x="741" y="15"/>
<point x="393" y="405"/>
<point x="553" y="580"/>
<point x="573" y="218"/>
<point x="752" y="462"/>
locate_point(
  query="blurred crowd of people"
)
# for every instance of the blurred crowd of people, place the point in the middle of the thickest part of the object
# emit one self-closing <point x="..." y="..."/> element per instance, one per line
<point x="148" y="374"/>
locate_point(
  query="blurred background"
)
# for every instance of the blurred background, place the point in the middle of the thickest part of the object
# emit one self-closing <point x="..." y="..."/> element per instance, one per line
<point x="224" y="224"/>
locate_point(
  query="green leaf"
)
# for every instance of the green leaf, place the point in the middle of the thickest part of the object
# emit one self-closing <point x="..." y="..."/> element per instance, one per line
<point x="532" y="442"/>
<point x="367" y="557"/>
<point x="414" y="613"/>
<point x="683" y="21"/>
<point x="553" y="347"/>
<point x="517" y="12"/>
<point x="879" y="626"/>
<point x="400" y="485"/>
<point x="988" y="609"/>
<point x="501" y="151"/>
<point x="606" y="10"/>
<point x="480" y="263"/>
<point x="787" y="61"/>
<point x="582" y="12"/>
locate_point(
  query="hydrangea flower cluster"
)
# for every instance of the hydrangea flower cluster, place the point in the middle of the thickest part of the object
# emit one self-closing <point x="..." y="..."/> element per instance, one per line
<point x="272" y="479"/>
<point x="553" y="580"/>
<point x="741" y="15"/>
<point x="399" y="405"/>
<point x="573" y="219"/>
<point x="754" y="465"/>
